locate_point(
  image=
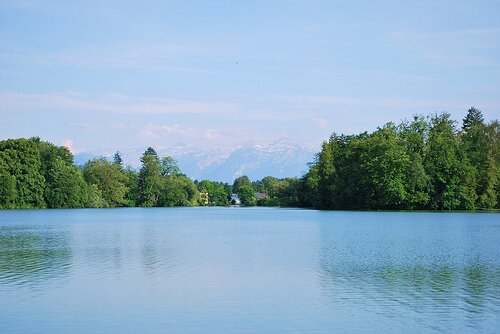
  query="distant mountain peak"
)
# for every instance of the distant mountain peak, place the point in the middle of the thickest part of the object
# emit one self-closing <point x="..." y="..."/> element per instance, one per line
<point x="285" y="157"/>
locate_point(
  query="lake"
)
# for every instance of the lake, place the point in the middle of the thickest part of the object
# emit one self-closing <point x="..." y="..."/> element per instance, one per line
<point x="248" y="270"/>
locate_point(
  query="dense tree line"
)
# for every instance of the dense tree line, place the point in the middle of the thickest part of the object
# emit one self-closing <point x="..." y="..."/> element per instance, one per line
<point x="38" y="174"/>
<point x="424" y="163"/>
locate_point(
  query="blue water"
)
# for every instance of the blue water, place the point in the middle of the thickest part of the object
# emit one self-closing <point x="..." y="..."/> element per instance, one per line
<point x="258" y="270"/>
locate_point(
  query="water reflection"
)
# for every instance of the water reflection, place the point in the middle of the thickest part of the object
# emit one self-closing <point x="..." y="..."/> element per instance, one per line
<point x="32" y="255"/>
<point x="156" y="252"/>
<point x="427" y="287"/>
<point x="232" y="270"/>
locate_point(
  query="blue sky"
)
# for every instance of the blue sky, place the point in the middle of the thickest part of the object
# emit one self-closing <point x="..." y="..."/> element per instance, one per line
<point x="125" y="74"/>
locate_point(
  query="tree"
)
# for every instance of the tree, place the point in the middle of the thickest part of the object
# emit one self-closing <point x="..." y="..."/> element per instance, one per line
<point x="94" y="197"/>
<point x="132" y="184"/>
<point x="473" y="118"/>
<point x="451" y="175"/>
<point x="308" y="193"/>
<point x="8" y="192"/>
<point x="66" y="187"/>
<point x="327" y="173"/>
<point x="178" y="190"/>
<point x="247" y="195"/>
<point x="385" y="162"/>
<point x="117" y="159"/>
<point x="150" y="179"/>
<point x="493" y="133"/>
<point x="414" y="137"/>
<point x="287" y="193"/>
<point x="64" y="184"/>
<point x="108" y="178"/>
<point x="217" y="195"/>
<point x="240" y="182"/>
<point x="478" y="148"/>
<point x="169" y="166"/>
<point x="21" y="160"/>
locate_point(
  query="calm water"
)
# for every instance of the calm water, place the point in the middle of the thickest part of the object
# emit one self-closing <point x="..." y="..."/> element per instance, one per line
<point x="232" y="270"/>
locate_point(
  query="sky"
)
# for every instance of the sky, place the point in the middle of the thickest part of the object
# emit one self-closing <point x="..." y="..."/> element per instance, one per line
<point x="100" y="75"/>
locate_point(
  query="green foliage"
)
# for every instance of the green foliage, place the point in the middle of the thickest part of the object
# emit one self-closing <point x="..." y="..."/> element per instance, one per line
<point x="8" y="192"/>
<point x="108" y="178"/>
<point x="117" y="160"/>
<point x="414" y="135"/>
<point x="161" y="184"/>
<point x="473" y="118"/>
<point x="65" y="186"/>
<point x="56" y="163"/>
<point x="94" y="197"/>
<point x="169" y="166"/>
<point x="217" y="192"/>
<point x="21" y="160"/>
<point x="178" y="190"/>
<point x="478" y="144"/>
<point x="493" y="133"/>
<point x="419" y="164"/>
<point x="425" y="163"/>
<point x="240" y="182"/>
<point x="49" y="153"/>
<point x="150" y="179"/>
<point x="247" y="195"/>
<point x="132" y="184"/>
<point x="451" y="176"/>
<point x="385" y="161"/>
<point x="286" y="193"/>
<point x="308" y="192"/>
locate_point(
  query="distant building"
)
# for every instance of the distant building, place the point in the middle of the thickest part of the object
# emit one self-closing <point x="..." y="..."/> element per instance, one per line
<point x="261" y="195"/>
<point x="235" y="199"/>
<point x="204" y="198"/>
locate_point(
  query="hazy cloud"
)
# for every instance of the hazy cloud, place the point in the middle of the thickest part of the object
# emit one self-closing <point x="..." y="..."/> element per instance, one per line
<point x="114" y="103"/>
<point x="163" y="132"/>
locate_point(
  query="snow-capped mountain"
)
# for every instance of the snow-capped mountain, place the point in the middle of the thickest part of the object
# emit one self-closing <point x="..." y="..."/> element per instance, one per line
<point x="282" y="158"/>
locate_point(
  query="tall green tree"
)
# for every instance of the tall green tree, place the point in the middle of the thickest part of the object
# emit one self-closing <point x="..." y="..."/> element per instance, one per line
<point x="451" y="175"/>
<point x="240" y="182"/>
<point x="178" y="190"/>
<point x="132" y="184"/>
<point x="21" y="160"/>
<point x="109" y="178"/>
<point x="117" y="159"/>
<point x="56" y="165"/>
<point x="66" y="187"/>
<point x="169" y="166"/>
<point x="478" y="148"/>
<point x="247" y="195"/>
<point x="308" y="193"/>
<point x="385" y="161"/>
<point x="493" y="133"/>
<point x="150" y="179"/>
<point x="8" y="192"/>
<point x="414" y="137"/>
<point x="327" y="174"/>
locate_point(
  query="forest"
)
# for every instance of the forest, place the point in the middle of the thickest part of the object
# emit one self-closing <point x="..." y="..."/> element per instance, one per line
<point x="426" y="163"/>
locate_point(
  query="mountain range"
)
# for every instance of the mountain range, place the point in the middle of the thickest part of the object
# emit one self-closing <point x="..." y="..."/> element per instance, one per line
<point x="282" y="158"/>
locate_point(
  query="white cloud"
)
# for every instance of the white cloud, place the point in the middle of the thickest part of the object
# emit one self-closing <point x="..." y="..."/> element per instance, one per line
<point x="212" y="134"/>
<point x="114" y="103"/>
<point x="320" y="122"/>
<point x="68" y="143"/>
<point x="164" y="132"/>
<point x="457" y="48"/>
<point x="425" y="105"/>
